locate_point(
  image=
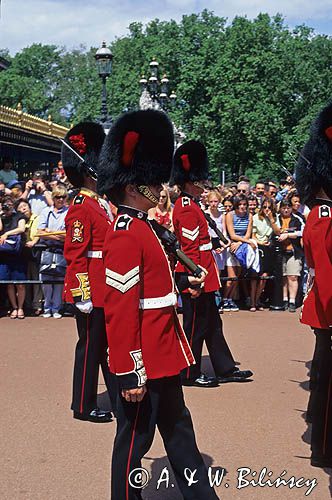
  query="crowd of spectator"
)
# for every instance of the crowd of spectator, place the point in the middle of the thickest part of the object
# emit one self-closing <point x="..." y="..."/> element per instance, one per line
<point x="253" y="218"/>
<point x="32" y="232"/>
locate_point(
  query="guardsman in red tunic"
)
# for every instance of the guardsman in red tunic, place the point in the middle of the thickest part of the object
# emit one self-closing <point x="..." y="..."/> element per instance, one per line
<point x="314" y="183"/>
<point x="201" y="318"/>
<point x="86" y="224"/>
<point x="147" y="345"/>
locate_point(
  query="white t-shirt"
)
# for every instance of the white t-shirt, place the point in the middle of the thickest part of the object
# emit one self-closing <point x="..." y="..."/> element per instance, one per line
<point x="261" y="228"/>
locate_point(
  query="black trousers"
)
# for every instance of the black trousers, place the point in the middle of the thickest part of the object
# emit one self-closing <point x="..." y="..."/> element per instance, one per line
<point x="320" y="403"/>
<point x="201" y="321"/>
<point x="90" y="353"/>
<point x="162" y="406"/>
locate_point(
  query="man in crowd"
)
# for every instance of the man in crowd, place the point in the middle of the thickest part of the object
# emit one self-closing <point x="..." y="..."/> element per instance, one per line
<point x="260" y="191"/>
<point x="271" y="189"/>
<point x="147" y="345"/>
<point x="201" y="318"/>
<point x="37" y="193"/>
<point x="7" y="173"/>
<point x="285" y="187"/>
<point x="16" y="189"/>
<point x="243" y="187"/>
<point x="86" y="226"/>
<point x="314" y="183"/>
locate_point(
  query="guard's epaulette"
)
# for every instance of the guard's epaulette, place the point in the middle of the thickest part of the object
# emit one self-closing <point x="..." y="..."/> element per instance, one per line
<point x="79" y="199"/>
<point x="325" y="211"/>
<point x="123" y="222"/>
<point x="185" y="201"/>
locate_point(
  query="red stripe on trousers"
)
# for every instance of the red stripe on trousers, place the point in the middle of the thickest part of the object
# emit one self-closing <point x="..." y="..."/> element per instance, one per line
<point x="85" y="361"/>
<point x="327" y="415"/>
<point x="131" y="451"/>
<point x="191" y="335"/>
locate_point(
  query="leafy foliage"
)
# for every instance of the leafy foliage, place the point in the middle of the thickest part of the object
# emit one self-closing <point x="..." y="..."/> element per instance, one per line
<point x="248" y="89"/>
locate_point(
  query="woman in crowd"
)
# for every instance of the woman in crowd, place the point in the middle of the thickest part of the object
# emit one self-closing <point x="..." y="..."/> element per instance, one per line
<point x="214" y="201"/>
<point x="263" y="227"/>
<point x="298" y="209"/>
<point x="239" y="228"/>
<point x="12" y="266"/>
<point x="302" y="211"/>
<point x="162" y="213"/>
<point x="291" y="228"/>
<point x="52" y="219"/>
<point x="252" y="204"/>
<point x="34" y="294"/>
<point x="227" y="205"/>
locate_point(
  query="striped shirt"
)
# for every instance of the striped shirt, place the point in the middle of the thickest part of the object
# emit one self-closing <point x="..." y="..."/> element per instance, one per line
<point x="240" y="224"/>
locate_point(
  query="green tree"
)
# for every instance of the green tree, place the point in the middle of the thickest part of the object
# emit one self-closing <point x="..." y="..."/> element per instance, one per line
<point x="248" y="89"/>
<point x="32" y="79"/>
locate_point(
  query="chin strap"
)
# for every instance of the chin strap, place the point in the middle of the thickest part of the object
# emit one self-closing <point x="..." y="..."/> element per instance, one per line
<point x="147" y="193"/>
<point x="199" y="185"/>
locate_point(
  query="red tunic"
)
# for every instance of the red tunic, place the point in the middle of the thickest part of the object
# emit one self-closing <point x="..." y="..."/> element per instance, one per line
<point x="144" y="335"/>
<point x="86" y="225"/>
<point x="192" y="232"/>
<point x="317" y="305"/>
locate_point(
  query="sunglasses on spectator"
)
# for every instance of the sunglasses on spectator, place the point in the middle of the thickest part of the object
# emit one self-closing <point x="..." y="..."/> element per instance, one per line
<point x="242" y="190"/>
<point x="60" y="197"/>
<point x="162" y="196"/>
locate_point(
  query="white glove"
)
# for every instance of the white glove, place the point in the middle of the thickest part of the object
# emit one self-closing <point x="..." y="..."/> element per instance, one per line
<point x="85" y="307"/>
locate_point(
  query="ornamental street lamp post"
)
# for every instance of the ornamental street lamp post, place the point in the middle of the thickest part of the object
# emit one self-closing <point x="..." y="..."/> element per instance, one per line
<point x="155" y="93"/>
<point x="104" y="58"/>
<point x="151" y="99"/>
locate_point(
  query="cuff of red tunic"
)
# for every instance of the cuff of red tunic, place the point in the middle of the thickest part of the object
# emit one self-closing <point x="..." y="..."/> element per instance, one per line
<point x="135" y="378"/>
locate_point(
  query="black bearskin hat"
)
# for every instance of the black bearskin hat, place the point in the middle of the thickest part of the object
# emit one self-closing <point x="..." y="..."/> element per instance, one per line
<point x="138" y="150"/>
<point x="190" y="163"/>
<point x="314" y="167"/>
<point x="86" y="138"/>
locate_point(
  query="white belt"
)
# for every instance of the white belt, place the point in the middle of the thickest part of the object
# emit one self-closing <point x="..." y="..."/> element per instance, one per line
<point x="158" y="302"/>
<point x="94" y="254"/>
<point x="207" y="246"/>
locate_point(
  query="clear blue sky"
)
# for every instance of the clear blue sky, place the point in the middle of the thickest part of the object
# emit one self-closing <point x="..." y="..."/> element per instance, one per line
<point x="74" y="22"/>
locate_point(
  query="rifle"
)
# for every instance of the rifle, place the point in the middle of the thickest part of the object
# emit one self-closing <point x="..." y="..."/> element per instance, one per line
<point x="215" y="228"/>
<point x="172" y="246"/>
<point x="89" y="169"/>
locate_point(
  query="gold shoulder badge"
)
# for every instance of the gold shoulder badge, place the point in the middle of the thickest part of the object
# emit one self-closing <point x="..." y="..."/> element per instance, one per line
<point x="77" y="232"/>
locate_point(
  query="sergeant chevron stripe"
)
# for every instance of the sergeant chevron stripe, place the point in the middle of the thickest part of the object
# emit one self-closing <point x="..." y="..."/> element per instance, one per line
<point x="122" y="282"/>
<point x="191" y="235"/>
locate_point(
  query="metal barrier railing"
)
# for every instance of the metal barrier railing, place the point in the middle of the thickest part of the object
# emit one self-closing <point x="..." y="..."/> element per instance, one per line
<point x="59" y="282"/>
<point x="276" y="300"/>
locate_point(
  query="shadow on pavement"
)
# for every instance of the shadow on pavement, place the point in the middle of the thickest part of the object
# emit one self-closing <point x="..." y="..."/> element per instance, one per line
<point x="207" y="368"/>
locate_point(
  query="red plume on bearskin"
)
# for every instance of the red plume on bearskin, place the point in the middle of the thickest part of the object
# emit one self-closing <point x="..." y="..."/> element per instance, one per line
<point x="185" y="162"/>
<point x="129" y="145"/>
<point x="328" y="133"/>
<point x="78" y="142"/>
<point x="190" y="163"/>
<point x="138" y="150"/>
<point x="86" y="138"/>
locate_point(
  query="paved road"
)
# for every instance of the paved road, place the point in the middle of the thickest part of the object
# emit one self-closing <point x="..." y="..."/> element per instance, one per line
<point x="47" y="455"/>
